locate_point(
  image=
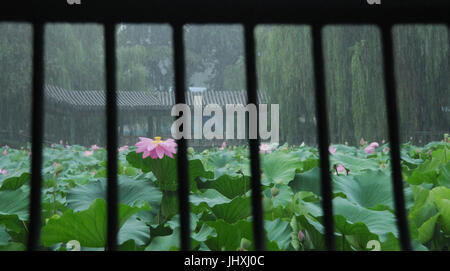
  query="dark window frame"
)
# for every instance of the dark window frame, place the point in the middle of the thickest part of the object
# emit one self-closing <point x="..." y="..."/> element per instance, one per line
<point x="316" y="13"/>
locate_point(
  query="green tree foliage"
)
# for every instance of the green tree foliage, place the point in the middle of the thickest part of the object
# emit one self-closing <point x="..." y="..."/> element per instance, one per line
<point x="354" y="81"/>
<point x="74" y="59"/>
<point x="15" y="78"/>
<point x="422" y="66"/>
<point x="285" y="72"/>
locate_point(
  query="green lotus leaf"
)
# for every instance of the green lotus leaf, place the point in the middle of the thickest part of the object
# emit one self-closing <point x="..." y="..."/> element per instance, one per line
<point x="15" y="182"/>
<point x="369" y="189"/>
<point x="165" y="169"/>
<point x="130" y="192"/>
<point x="4" y="236"/>
<point x="87" y="227"/>
<point x="353" y="163"/>
<point x="356" y="219"/>
<point x="279" y="231"/>
<point x="230" y="187"/>
<point x="279" y="168"/>
<point x="307" y="181"/>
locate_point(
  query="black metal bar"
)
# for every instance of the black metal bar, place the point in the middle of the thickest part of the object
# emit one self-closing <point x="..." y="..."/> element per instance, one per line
<point x="37" y="136"/>
<point x="322" y="130"/>
<point x="391" y="103"/>
<point x="182" y="159"/>
<point x="111" y="138"/>
<point x="252" y="98"/>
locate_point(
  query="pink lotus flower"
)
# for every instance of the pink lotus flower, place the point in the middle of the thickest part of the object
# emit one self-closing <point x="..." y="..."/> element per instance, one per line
<point x="4" y="172"/>
<point x="362" y="141"/>
<point x="5" y="152"/>
<point x="429" y="152"/>
<point x="88" y="153"/>
<point x="156" y="148"/>
<point x="340" y="168"/>
<point x="94" y="147"/>
<point x="264" y="148"/>
<point x="383" y="141"/>
<point x="369" y="149"/>
<point x="61" y="142"/>
<point x="331" y="150"/>
<point x="224" y="145"/>
<point x="68" y="146"/>
<point x="123" y="148"/>
<point x="55" y="164"/>
<point x="52" y="145"/>
<point x="374" y="144"/>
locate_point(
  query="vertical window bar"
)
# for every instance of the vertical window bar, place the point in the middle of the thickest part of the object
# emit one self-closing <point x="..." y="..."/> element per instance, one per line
<point x="111" y="138"/>
<point x="37" y="136"/>
<point x="182" y="160"/>
<point x="322" y="131"/>
<point x="252" y="98"/>
<point x="391" y="103"/>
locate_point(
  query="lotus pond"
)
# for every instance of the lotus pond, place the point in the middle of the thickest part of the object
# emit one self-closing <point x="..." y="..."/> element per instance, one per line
<point x="74" y="193"/>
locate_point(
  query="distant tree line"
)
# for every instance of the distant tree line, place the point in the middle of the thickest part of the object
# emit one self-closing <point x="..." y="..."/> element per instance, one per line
<point x="354" y="81"/>
<point x="74" y="59"/>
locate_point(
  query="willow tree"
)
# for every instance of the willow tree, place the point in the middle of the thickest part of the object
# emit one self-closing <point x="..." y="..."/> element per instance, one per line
<point x="423" y="79"/>
<point x="285" y="73"/>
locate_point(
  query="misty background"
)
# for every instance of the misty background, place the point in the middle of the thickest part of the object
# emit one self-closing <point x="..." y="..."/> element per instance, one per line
<point x="215" y="60"/>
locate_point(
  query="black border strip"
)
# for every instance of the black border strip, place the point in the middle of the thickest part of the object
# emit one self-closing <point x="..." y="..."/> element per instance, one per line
<point x="231" y="11"/>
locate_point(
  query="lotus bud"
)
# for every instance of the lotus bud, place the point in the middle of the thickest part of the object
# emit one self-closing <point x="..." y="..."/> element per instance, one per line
<point x="275" y="191"/>
<point x="362" y="141"/>
<point x="55" y="216"/>
<point x="301" y="236"/>
<point x="190" y="150"/>
<point x="58" y="167"/>
<point x="227" y="166"/>
<point x="73" y="245"/>
<point x="245" y="244"/>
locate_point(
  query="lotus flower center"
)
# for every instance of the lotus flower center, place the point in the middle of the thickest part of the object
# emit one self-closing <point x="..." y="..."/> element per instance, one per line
<point x="158" y="140"/>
